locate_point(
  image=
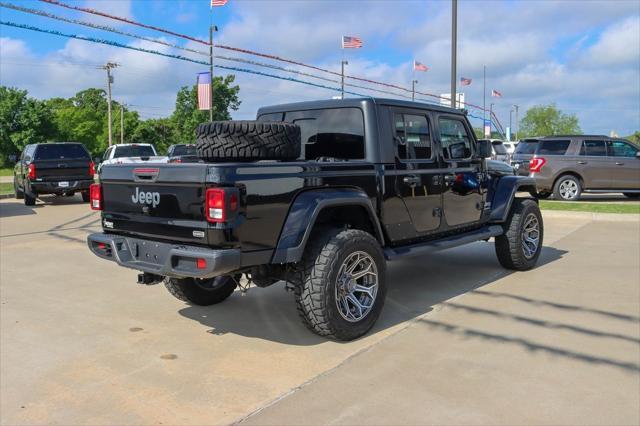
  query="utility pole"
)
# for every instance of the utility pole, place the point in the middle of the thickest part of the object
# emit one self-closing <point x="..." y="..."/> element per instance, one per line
<point x="121" y="123"/>
<point x="490" y="118"/>
<point x="510" y="128"/>
<point x="517" y="124"/>
<point x="484" y="94"/>
<point x="108" y="66"/>
<point x="212" y="28"/>
<point x="413" y="89"/>
<point x="343" y="63"/>
<point x="454" y="42"/>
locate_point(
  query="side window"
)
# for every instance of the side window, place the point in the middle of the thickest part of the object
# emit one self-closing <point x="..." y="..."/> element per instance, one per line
<point x="455" y="141"/>
<point x="107" y="153"/>
<point x="335" y="133"/>
<point x="553" y="147"/>
<point x="621" y="149"/>
<point x="593" y="149"/>
<point x="413" y="132"/>
<point x="28" y="153"/>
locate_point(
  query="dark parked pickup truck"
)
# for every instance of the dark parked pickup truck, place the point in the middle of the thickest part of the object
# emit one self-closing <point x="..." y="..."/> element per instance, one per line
<point x="53" y="168"/>
<point x="320" y="195"/>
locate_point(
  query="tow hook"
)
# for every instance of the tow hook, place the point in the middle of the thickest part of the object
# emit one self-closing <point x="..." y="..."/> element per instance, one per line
<point x="149" y="279"/>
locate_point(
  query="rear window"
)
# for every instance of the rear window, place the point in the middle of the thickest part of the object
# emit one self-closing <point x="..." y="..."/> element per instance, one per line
<point x="526" y="147"/>
<point x="56" y="151"/>
<point x="181" y="150"/>
<point x="553" y="147"/>
<point x="328" y="133"/>
<point x="499" y="148"/>
<point x="134" y="151"/>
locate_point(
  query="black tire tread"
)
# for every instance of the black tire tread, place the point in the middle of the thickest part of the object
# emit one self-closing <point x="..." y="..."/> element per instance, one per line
<point x="508" y="247"/>
<point x="186" y="290"/>
<point x="247" y="141"/>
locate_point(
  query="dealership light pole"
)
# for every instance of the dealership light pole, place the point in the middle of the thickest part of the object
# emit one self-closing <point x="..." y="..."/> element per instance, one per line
<point x="413" y="89"/>
<point x="517" y="124"/>
<point x="510" y="128"/>
<point x="454" y="41"/>
<point x="343" y="63"/>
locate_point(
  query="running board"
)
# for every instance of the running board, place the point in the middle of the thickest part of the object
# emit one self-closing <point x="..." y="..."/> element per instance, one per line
<point x="443" y="243"/>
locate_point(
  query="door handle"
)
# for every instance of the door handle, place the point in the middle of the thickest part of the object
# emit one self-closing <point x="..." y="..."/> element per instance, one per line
<point x="619" y="163"/>
<point x="582" y="162"/>
<point x="411" y="180"/>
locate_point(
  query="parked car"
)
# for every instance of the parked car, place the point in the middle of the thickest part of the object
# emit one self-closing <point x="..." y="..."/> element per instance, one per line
<point x="320" y="195"/>
<point x="179" y="153"/>
<point x="523" y="155"/>
<point x="510" y="147"/>
<point x="498" y="151"/>
<point x="127" y="153"/>
<point x="62" y="168"/>
<point x="569" y="165"/>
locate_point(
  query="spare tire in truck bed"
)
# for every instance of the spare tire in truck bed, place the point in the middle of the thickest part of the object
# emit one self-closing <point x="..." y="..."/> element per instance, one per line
<point x="247" y="141"/>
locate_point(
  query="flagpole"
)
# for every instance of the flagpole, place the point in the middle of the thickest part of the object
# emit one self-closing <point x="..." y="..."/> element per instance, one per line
<point x="342" y="64"/>
<point x="211" y="27"/>
<point x="484" y="94"/>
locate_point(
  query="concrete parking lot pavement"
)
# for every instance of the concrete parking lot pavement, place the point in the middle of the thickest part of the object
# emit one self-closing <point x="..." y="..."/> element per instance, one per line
<point x="459" y="341"/>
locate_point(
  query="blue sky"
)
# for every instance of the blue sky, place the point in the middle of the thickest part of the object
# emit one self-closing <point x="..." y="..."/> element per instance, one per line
<point x="582" y="56"/>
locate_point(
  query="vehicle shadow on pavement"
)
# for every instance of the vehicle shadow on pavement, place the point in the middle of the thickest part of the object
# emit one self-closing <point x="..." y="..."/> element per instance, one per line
<point x="16" y="209"/>
<point x="415" y="286"/>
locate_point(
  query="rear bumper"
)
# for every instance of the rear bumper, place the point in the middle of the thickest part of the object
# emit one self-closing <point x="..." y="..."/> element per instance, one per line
<point x="173" y="260"/>
<point x="54" y="187"/>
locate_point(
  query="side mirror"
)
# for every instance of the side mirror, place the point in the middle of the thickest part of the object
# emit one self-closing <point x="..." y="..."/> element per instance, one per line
<point x="13" y="158"/>
<point x="484" y="149"/>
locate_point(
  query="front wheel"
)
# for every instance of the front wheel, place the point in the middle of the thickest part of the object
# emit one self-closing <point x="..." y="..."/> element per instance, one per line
<point x="342" y="284"/>
<point x="29" y="200"/>
<point x="203" y="292"/>
<point x="519" y="247"/>
<point x="16" y="190"/>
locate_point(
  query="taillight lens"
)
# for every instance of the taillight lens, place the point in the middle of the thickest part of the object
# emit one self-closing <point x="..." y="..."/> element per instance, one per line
<point x="95" y="196"/>
<point x="92" y="169"/>
<point x="32" y="171"/>
<point x="535" y="164"/>
<point x="219" y="204"/>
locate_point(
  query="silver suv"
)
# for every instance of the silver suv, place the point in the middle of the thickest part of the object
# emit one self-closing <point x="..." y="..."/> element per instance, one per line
<point x="567" y="166"/>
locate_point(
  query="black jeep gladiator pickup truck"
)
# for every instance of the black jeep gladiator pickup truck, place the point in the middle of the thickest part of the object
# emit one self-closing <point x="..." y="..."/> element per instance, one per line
<point x="317" y="194"/>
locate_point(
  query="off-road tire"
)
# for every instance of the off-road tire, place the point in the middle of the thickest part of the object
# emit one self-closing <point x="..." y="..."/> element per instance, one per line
<point x="191" y="291"/>
<point x="509" y="245"/>
<point x="556" y="188"/>
<point x="631" y="194"/>
<point x="29" y="200"/>
<point x="19" y="194"/>
<point x="86" y="197"/>
<point x="315" y="287"/>
<point x="247" y="141"/>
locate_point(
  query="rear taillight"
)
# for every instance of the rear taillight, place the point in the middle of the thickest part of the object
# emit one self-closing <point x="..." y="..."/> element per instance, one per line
<point x="32" y="171"/>
<point x="92" y="169"/>
<point x="535" y="164"/>
<point x="95" y="196"/>
<point x="220" y="204"/>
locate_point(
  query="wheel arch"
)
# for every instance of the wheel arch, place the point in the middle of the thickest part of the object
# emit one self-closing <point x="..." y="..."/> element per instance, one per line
<point x="504" y="194"/>
<point x="337" y="206"/>
<point x="568" y="172"/>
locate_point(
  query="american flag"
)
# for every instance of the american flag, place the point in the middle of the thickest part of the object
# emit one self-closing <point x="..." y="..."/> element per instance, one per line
<point x="496" y="94"/>
<point x="215" y="3"/>
<point x="204" y="90"/>
<point x="465" y="81"/>
<point x="351" y="42"/>
<point x="419" y="66"/>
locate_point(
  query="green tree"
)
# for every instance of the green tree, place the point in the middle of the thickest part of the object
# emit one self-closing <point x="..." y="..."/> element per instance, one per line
<point x="159" y="132"/>
<point x="23" y="121"/>
<point x="187" y="116"/>
<point x="548" y="120"/>
<point x="635" y="137"/>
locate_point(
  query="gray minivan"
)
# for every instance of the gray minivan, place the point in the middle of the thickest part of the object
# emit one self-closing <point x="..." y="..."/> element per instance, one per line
<point x="567" y="166"/>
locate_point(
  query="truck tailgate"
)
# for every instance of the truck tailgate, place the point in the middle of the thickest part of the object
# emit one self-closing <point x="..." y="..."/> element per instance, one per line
<point x="165" y="201"/>
<point x="56" y="170"/>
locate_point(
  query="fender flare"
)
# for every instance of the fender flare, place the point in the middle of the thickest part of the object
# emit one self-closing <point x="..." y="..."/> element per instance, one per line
<point x="303" y="214"/>
<point x="505" y="192"/>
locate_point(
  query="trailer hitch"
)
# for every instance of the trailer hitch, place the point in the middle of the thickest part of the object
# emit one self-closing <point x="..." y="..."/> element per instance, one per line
<point x="147" y="278"/>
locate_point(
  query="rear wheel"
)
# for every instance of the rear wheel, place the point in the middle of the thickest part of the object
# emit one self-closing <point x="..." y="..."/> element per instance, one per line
<point x="85" y="196"/>
<point x="16" y="190"/>
<point x="520" y="246"/>
<point x="29" y="200"/>
<point x="342" y="283"/>
<point x="203" y="292"/>
<point x="631" y="194"/>
<point x="567" y="188"/>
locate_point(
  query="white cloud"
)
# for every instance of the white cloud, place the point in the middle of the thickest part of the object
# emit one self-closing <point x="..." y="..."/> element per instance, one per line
<point x="619" y="44"/>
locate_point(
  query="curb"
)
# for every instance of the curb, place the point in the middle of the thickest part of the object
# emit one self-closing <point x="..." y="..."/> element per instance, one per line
<point x="3" y="196"/>
<point x="596" y="217"/>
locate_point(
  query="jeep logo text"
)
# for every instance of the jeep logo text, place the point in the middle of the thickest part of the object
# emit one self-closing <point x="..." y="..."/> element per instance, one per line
<point x="142" y="197"/>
